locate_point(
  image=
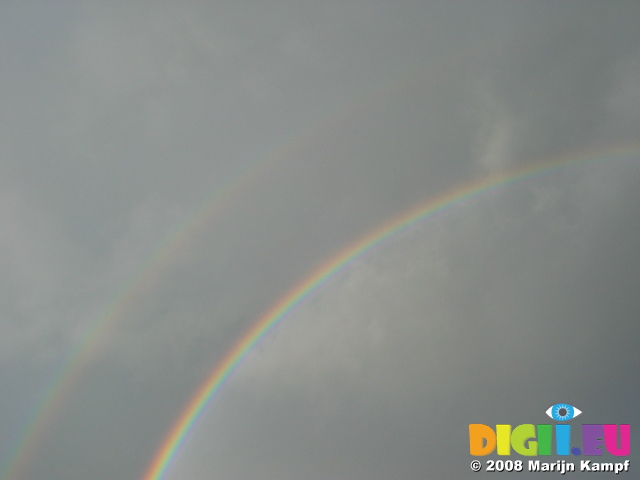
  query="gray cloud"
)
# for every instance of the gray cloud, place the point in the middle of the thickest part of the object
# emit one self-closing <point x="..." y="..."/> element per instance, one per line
<point x="121" y="121"/>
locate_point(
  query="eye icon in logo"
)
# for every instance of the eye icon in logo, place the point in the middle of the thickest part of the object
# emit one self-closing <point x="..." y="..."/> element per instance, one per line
<point x="563" y="412"/>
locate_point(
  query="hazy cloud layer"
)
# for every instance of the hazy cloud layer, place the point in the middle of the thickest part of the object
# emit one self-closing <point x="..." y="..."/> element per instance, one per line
<point x="175" y="168"/>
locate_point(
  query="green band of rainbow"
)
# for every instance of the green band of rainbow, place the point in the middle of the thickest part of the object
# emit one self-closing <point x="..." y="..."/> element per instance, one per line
<point x="272" y="317"/>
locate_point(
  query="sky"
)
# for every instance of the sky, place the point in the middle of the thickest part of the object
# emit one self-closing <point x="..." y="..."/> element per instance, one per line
<point x="171" y="170"/>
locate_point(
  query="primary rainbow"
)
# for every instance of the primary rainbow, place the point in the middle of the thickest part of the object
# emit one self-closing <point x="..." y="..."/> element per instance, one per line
<point x="194" y="408"/>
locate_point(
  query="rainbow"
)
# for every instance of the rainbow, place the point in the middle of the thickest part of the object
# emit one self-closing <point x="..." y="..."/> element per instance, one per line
<point x="57" y="391"/>
<point x="214" y="382"/>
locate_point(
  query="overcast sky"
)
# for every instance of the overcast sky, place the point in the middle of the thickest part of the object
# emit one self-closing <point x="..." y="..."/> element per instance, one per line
<point x="171" y="169"/>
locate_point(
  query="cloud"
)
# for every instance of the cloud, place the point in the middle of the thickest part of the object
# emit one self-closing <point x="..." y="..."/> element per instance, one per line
<point x="122" y="122"/>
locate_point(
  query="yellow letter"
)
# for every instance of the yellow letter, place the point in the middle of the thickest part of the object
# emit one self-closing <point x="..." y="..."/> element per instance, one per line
<point x="503" y="432"/>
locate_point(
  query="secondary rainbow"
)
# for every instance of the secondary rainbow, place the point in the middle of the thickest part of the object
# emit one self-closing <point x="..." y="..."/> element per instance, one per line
<point x="56" y="393"/>
<point x="278" y="311"/>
